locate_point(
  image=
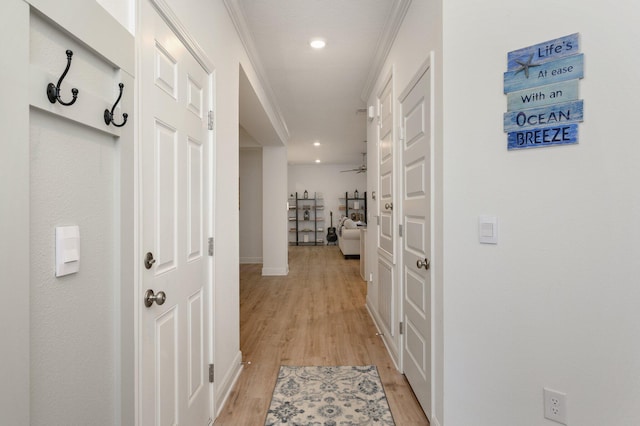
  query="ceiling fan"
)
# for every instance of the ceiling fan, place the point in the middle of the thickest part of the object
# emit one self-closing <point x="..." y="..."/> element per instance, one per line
<point x="362" y="168"/>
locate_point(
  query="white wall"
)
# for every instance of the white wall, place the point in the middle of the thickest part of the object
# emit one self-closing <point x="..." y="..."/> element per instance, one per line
<point x="122" y="10"/>
<point x="263" y="216"/>
<point x="555" y="303"/>
<point x="251" y="205"/>
<point x="274" y="211"/>
<point x="14" y="217"/>
<point x="79" y="174"/>
<point x="73" y="318"/>
<point x="328" y="180"/>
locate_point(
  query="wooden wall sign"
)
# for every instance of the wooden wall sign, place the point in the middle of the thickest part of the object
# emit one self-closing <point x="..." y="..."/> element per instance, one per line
<point x="541" y="96"/>
<point x="541" y="84"/>
<point x="562" y="113"/>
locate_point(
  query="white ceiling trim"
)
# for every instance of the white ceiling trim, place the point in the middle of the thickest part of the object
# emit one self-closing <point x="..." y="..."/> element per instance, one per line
<point x="272" y="109"/>
<point x="385" y="43"/>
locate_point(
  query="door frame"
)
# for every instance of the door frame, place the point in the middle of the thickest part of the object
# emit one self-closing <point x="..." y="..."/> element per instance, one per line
<point x="170" y="18"/>
<point x="424" y="67"/>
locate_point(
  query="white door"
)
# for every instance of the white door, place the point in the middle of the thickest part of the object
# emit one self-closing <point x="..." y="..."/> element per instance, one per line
<point x="416" y="247"/>
<point x="386" y="259"/>
<point x="385" y="157"/>
<point x="174" y="347"/>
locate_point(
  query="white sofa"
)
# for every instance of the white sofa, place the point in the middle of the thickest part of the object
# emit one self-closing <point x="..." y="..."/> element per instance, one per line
<point x="349" y="238"/>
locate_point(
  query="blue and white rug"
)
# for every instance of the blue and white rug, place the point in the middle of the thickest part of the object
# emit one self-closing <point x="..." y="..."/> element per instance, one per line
<point x="329" y="396"/>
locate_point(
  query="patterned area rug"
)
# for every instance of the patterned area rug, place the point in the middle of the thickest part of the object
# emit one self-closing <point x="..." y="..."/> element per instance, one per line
<point x="329" y="396"/>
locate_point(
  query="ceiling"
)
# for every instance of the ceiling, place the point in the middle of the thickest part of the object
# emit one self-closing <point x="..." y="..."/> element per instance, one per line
<point x="315" y="95"/>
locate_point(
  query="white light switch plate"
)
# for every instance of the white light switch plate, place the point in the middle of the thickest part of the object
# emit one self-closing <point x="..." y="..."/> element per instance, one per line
<point x="488" y="229"/>
<point x="67" y="250"/>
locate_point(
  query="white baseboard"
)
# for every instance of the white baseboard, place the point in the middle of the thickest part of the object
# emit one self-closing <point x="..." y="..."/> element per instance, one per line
<point x="223" y="390"/>
<point x="250" y="260"/>
<point x="385" y="339"/>
<point x="376" y="321"/>
<point x="268" y="272"/>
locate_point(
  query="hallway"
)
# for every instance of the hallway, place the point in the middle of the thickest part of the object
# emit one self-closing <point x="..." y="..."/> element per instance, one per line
<point x="314" y="316"/>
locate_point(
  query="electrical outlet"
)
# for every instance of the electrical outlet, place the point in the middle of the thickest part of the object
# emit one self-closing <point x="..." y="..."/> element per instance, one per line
<point x="555" y="406"/>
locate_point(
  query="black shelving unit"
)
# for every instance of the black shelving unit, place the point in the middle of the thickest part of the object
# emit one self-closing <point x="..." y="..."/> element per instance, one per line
<point x="361" y="211"/>
<point x="306" y="219"/>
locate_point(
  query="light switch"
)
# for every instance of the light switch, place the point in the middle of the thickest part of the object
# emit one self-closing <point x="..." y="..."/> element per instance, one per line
<point x="67" y="250"/>
<point x="488" y="229"/>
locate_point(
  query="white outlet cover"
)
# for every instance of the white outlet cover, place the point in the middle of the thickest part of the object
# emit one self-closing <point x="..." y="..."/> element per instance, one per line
<point x="555" y="405"/>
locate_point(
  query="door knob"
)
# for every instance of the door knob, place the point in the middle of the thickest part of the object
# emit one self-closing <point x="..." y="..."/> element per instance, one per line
<point x="150" y="297"/>
<point x="149" y="260"/>
<point x="423" y="263"/>
<point x="388" y="206"/>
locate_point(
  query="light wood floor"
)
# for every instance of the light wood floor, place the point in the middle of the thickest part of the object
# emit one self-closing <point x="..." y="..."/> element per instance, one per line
<point x="314" y="316"/>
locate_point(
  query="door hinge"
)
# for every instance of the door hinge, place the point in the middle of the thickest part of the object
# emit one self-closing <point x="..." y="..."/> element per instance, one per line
<point x="211" y="373"/>
<point x="210" y="122"/>
<point x="210" y="246"/>
<point x="378" y="220"/>
<point x="401" y="327"/>
<point x="400" y="230"/>
<point x="401" y="133"/>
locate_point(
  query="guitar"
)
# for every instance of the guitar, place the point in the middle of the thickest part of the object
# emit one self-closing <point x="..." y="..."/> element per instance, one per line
<point x="331" y="232"/>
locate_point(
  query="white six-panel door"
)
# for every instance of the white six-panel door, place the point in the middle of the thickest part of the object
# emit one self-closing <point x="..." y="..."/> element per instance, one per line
<point x="174" y="386"/>
<point x="416" y="242"/>
<point x="385" y="157"/>
<point x="386" y="259"/>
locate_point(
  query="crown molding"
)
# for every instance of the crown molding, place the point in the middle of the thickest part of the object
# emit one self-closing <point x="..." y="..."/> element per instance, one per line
<point x="392" y="26"/>
<point x="171" y="19"/>
<point x="236" y="12"/>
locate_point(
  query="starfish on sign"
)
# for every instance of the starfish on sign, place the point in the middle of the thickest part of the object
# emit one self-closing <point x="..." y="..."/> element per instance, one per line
<point x="524" y="66"/>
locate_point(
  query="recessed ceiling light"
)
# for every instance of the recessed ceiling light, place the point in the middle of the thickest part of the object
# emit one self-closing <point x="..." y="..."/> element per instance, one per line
<point x="316" y="143"/>
<point x="318" y="43"/>
<point x="317" y="161"/>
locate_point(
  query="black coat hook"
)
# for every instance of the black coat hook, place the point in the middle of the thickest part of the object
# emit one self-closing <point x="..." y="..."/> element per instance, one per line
<point x="53" y="91"/>
<point x="108" y="115"/>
